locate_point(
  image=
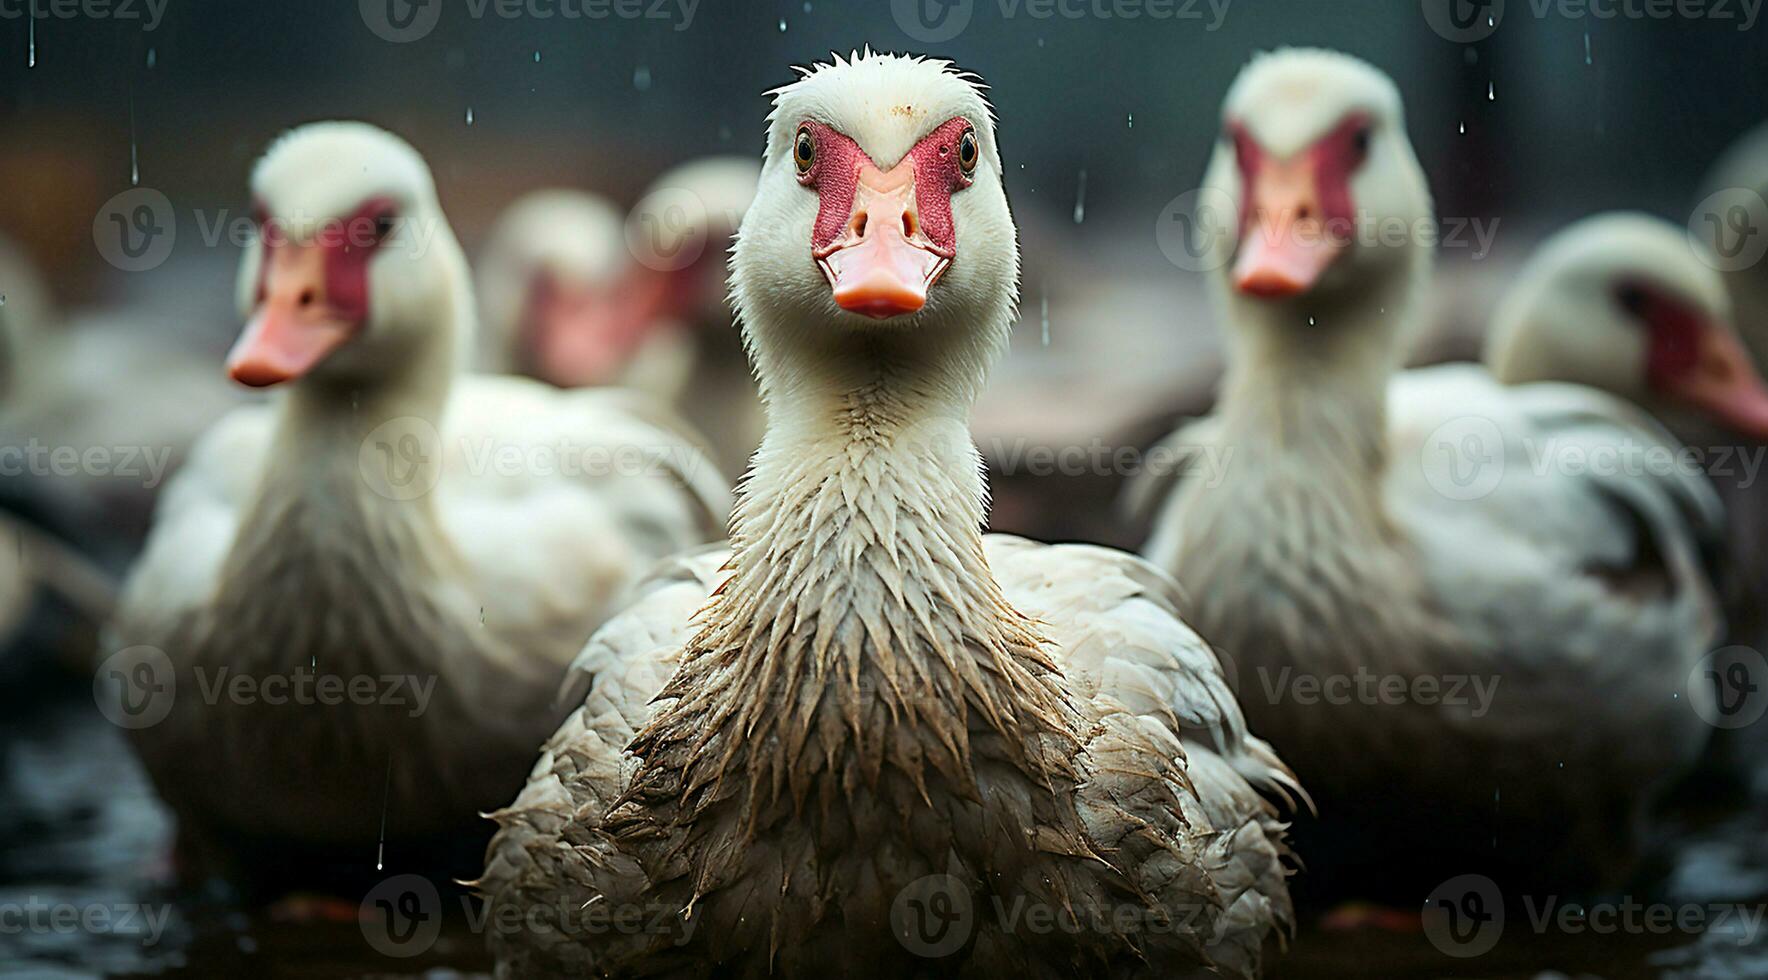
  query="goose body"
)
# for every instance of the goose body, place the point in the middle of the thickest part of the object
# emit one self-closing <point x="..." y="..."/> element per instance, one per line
<point x="864" y="710"/>
<point x="444" y="542"/>
<point x="1511" y="640"/>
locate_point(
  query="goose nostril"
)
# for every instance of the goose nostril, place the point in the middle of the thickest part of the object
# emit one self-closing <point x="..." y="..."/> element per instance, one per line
<point x="908" y="225"/>
<point x="1303" y="213"/>
<point x="859" y="224"/>
<point x="307" y="298"/>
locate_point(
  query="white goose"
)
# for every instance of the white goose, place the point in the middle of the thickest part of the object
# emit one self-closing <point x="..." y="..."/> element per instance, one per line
<point x="1739" y="180"/>
<point x="556" y="294"/>
<point x="685" y="220"/>
<point x="876" y="712"/>
<point x="387" y="518"/>
<point x="1502" y="654"/>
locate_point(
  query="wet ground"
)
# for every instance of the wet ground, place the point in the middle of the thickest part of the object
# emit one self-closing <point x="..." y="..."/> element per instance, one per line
<point x="84" y="872"/>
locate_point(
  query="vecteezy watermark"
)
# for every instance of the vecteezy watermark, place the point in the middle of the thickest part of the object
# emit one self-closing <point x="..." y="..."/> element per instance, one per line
<point x="1729" y="229"/>
<point x="1197" y="229"/>
<point x="1467" y="457"/>
<point x="1728" y="688"/>
<point x="130" y="920"/>
<point x="136" y="229"/>
<point x="137" y="686"/>
<point x="1467" y="21"/>
<point x="403" y="458"/>
<point x="146" y="464"/>
<point x="938" y="21"/>
<point x="1465" y="917"/>
<point x="148" y="11"/>
<point x="402" y="917"/>
<point x="936" y="915"/>
<point x="401" y="21"/>
<point x="1365" y="687"/>
<point x="1203" y="462"/>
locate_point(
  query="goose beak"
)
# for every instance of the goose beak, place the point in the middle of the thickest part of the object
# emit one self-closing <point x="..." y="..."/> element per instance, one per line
<point x="883" y="265"/>
<point x="1724" y="384"/>
<point x="294" y="328"/>
<point x="1284" y="244"/>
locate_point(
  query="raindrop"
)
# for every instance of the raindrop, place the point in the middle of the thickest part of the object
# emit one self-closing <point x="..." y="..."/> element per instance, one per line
<point x="1463" y="127"/>
<point x="1044" y="311"/>
<point x="380" y="850"/>
<point x="782" y="25"/>
<point x="1586" y="47"/>
<point x="537" y="56"/>
<point x="134" y="162"/>
<point x="1310" y="321"/>
<point x="641" y="78"/>
<point x="1491" y="93"/>
<point x="32" y="61"/>
<point x="152" y="57"/>
<point x="1132" y="120"/>
<point x="469" y="115"/>
<point x="1040" y="42"/>
<point x="1080" y="198"/>
<point x="2" y="299"/>
<point x="1490" y="21"/>
<point x="807" y="6"/>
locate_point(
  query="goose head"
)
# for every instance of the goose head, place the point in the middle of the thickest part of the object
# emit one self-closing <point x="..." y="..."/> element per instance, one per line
<point x="880" y="228"/>
<point x="1326" y="190"/>
<point x="355" y="273"/>
<point x="681" y="233"/>
<point x="559" y="297"/>
<point x="1621" y="302"/>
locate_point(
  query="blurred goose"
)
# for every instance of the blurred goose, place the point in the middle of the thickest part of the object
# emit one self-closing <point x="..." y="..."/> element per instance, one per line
<point x="1474" y="663"/>
<point x="451" y="539"/>
<point x="1735" y="225"/>
<point x="1622" y="303"/>
<point x="865" y="710"/>
<point x="558" y="298"/>
<point x="681" y="232"/>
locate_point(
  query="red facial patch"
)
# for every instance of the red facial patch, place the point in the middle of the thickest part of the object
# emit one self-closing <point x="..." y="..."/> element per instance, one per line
<point x="1673" y="332"/>
<point x="838" y="161"/>
<point x="348" y="247"/>
<point x="348" y="244"/>
<point x="1333" y="158"/>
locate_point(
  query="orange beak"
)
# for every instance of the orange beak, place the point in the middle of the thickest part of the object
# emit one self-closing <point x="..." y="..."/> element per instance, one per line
<point x="1284" y="243"/>
<point x="882" y="265"/>
<point x="1724" y="384"/>
<point x="294" y="328"/>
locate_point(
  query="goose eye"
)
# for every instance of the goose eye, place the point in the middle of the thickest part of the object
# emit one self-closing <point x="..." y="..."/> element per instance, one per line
<point x="804" y="151"/>
<point x="383" y="225"/>
<point x="1360" y="140"/>
<point x="1632" y="299"/>
<point x="969" y="151"/>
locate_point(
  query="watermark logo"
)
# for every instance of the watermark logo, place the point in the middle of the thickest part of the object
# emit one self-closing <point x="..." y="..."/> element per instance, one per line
<point x="1729" y="229"/>
<point x="1464" y="916"/>
<point x="402" y="916"/>
<point x="135" y="687"/>
<point x="1463" y="21"/>
<point x="933" y="916"/>
<point x="150" y="12"/>
<point x="135" y="229"/>
<point x="400" y="21"/>
<point x="1193" y="229"/>
<point x="932" y="21"/>
<point x="667" y="230"/>
<point x="1729" y="687"/>
<point x="401" y="459"/>
<point x="1463" y="459"/>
